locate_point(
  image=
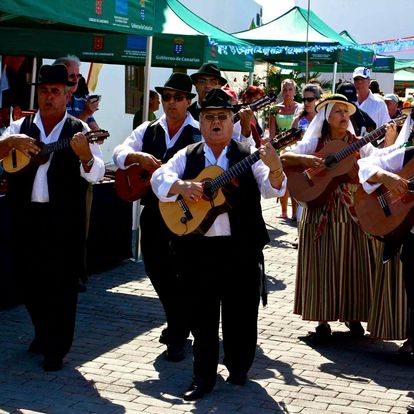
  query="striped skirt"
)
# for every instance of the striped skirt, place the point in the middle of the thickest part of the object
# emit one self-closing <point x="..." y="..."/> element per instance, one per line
<point x="388" y="316"/>
<point x="335" y="271"/>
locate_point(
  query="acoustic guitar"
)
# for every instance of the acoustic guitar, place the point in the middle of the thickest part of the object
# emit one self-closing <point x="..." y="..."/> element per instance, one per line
<point x="134" y="182"/>
<point x="17" y="160"/>
<point x="312" y="186"/>
<point x="384" y="214"/>
<point x="182" y="218"/>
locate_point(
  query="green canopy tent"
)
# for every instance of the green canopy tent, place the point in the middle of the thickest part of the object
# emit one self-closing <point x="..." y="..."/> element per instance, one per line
<point x="379" y="63"/>
<point x="181" y="39"/>
<point x="120" y="16"/>
<point x="277" y="40"/>
<point x="404" y="64"/>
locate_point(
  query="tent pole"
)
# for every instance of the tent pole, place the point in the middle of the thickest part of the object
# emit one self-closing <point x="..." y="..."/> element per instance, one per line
<point x="32" y="87"/>
<point x="307" y="42"/>
<point x="136" y="207"/>
<point x="335" y="69"/>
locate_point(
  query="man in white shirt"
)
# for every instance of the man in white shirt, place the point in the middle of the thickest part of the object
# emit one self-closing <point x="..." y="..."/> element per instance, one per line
<point x="48" y="211"/>
<point x="150" y="145"/>
<point x="220" y="262"/>
<point x="367" y="101"/>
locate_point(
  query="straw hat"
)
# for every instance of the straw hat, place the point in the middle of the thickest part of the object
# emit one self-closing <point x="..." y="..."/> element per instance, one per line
<point x="336" y="98"/>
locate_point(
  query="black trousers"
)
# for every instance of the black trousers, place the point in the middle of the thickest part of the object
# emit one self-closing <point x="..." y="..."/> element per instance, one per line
<point x="407" y="259"/>
<point x="160" y="266"/>
<point x="46" y="255"/>
<point x="220" y="276"/>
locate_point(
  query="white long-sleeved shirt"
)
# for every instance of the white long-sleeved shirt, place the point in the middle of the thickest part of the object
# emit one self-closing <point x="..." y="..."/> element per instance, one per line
<point x="134" y="142"/>
<point x="165" y="176"/>
<point x="40" y="190"/>
<point x="375" y="107"/>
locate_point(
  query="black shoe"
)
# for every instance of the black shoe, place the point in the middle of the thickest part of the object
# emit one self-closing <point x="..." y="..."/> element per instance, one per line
<point x="52" y="363"/>
<point x="237" y="378"/>
<point x="164" y="339"/>
<point x="410" y="407"/>
<point x="322" y="335"/>
<point x="174" y="353"/>
<point x="35" y="347"/>
<point x="355" y="328"/>
<point x="197" y="391"/>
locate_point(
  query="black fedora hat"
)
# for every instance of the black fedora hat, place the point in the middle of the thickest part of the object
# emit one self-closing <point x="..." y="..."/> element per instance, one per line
<point x="209" y="69"/>
<point x="178" y="82"/>
<point x="53" y="74"/>
<point x="217" y="99"/>
<point x="336" y="98"/>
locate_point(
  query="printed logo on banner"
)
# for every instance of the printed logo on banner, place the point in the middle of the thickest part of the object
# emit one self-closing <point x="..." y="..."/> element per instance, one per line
<point x="213" y="52"/>
<point x="178" y="46"/>
<point x="98" y="42"/>
<point x="142" y="10"/>
<point x="98" y="7"/>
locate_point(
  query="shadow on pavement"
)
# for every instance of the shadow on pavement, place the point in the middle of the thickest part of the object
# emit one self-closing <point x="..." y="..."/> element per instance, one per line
<point x="107" y="318"/>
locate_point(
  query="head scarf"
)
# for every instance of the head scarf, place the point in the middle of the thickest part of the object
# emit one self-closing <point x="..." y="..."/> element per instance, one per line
<point x="315" y="127"/>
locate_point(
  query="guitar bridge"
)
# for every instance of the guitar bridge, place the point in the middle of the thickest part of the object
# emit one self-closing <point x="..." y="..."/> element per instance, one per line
<point x="187" y="213"/>
<point x="383" y="203"/>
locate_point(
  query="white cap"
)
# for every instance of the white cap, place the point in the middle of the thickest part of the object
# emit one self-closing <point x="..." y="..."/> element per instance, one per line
<point x="361" y="72"/>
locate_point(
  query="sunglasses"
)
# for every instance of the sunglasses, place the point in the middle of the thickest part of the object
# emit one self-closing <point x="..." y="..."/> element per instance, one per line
<point x="221" y="117"/>
<point x="177" y="98"/>
<point x="74" y="76"/>
<point x="308" y="99"/>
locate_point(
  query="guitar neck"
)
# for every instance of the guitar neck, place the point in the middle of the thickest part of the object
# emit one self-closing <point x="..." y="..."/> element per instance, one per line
<point x="372" y="136"/>
<point x="245" y="163"/>
<point x="55" y="146"/>
<point x="259" y="104"/>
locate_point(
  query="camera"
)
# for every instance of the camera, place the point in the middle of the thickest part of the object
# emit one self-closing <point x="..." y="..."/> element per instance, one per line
<point x="94" y="98"/>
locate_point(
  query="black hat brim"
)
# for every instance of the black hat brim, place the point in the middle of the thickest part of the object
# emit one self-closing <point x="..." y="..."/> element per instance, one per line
<point x="194" y="76"/>
<point x="161" y="89"/>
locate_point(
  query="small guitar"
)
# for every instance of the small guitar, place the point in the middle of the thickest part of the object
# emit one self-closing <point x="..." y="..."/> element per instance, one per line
<point x="384" y="214"/>
<point x="183" y="219"/>
<point x="312" y="186"/>
<point x="257" y="105"/>
<point x="17" y="160"/>
<point x="132" y="183"/>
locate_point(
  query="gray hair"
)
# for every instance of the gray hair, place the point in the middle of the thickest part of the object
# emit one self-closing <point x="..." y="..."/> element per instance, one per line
<point x="67" y="60"/>
<point x="313" y="88"/>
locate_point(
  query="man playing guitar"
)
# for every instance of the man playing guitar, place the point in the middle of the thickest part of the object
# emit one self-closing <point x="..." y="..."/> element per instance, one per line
<point x="150" y="145"/>
<point x="48" y="212"/>
<point x="394" y="171"/>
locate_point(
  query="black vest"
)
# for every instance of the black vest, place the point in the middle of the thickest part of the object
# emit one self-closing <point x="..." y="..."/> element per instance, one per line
<point x="67" y="188"/>
<point x="154" y="144"/>
<point x="246" y="221"/>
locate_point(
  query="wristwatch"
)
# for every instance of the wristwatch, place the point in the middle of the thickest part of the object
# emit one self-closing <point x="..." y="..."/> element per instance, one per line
<point x="89" y="163"/>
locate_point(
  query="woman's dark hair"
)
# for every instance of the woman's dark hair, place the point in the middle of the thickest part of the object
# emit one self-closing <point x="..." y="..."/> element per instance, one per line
<point x="317" y="93"/>
<point x="82" y="89"/>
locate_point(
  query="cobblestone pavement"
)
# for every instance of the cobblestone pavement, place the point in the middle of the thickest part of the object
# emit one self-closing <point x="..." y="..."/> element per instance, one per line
<point x="116" y="365"/>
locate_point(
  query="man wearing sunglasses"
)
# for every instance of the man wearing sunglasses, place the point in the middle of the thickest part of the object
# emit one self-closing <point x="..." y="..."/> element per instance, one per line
<point x="150" y="145"/>
<point x="207" y="78"/>
<point x="221" y="268"/>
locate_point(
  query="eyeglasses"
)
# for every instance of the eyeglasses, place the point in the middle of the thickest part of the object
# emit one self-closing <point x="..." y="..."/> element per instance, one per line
<point x="308" y="99"/>
<point x="212" y="82"/>
<point x="177" y="98"/>
<point x="211" y="117"/>
<point x="75" y="76"/>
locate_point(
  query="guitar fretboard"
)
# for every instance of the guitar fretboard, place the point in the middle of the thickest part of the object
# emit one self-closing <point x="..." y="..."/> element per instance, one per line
<point x="280" y="140"/>
<point x="372" y="136"/>
<point x="55" y="146"/>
